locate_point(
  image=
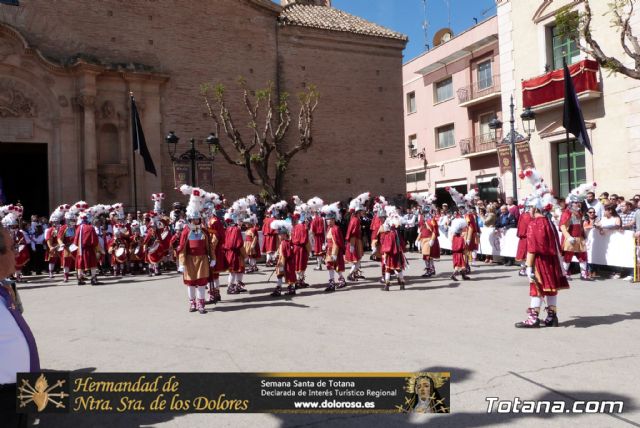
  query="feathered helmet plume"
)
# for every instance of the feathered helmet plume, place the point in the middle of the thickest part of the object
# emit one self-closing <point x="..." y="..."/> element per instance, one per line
<point x="157" y="199"/>
<point x="196" y="201"/>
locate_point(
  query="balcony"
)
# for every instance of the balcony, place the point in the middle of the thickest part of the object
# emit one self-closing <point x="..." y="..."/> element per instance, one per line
<point x="479" y="145"/>
<point x="479" y="92"/>
<point x="546" y="92"/>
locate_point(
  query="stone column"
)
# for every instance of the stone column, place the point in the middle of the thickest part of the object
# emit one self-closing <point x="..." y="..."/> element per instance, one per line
<point x="87" y="100"/>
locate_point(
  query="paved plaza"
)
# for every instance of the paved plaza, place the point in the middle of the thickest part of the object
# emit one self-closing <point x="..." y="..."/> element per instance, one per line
<point x="141" y="324"/>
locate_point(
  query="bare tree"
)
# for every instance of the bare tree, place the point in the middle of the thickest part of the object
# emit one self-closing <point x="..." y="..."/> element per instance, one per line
<point x="264" y="155"/>
<point x="577" y="26"/>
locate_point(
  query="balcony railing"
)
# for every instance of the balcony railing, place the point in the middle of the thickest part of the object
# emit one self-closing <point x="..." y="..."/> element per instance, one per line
<point x="547" y="91"/>
<point x="479" y="143"/>
<point x="479" y="89"/>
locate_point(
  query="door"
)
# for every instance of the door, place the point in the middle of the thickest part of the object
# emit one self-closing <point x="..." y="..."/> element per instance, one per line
<point x="24" y="177"/>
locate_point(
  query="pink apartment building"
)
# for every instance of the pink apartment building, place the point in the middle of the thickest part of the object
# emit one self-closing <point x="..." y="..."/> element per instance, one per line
<point x="451" y="93"/>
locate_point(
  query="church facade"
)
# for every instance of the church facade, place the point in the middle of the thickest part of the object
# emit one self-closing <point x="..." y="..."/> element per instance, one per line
<point x="67" y="68"/>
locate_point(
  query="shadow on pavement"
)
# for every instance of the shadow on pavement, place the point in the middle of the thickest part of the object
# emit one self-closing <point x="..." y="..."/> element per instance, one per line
<point x="585" y="322"/>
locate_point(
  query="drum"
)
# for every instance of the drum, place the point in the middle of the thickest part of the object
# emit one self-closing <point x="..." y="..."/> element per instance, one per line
<point x="21" y="248"/>
<point x="138" y="251"/>
<point x="154" y="248"/>
<point x="121" y="255"/>
<point x="164" y="235"/>
<point x="73" y="248"/>
<point x="60" y="248"/>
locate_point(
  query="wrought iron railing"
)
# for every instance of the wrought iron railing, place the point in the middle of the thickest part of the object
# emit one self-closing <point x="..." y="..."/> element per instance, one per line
<point x="479" y="143"/>
<point x="479" y="89"/>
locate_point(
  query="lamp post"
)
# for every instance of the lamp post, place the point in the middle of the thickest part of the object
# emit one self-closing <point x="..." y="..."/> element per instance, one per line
<point x="192" y="154"/>
<point x="527" y="117"/>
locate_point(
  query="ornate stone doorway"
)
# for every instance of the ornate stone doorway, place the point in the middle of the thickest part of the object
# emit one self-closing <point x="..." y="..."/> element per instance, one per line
<point x="24" y="174"/>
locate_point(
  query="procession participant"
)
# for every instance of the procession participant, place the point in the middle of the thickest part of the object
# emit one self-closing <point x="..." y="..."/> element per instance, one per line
<point x="194" y="251"/>
<point x="573" y="234"/>
<point x="51" y="238"/>
<point x="353" y="236"/>
<point x="118" y="250"/>
<point x="164" y="230"/>
<point x="392" y="248"/>
<point x="22" y="255"/>
<point x="66" y="248"/>
<point x="523" y="223"/>
<point x="286" y="259"/>
<point x="334" y="247"/>
<point x="377" y="235"/>
<point x="472" y="237"/>
<point x="86" y="240"/>
<point x="457" y="231"/>
<point x="175" y="241"/>
<point x="429" y="245"/>
<point x="251" y="243"/>
<point x="428" y="232"/>
<point x="152" y="246"/>
<point x="269" y="236"/>
<point x="317" y="230"/>
<point x="234" y="246"/>
<point x="136" y="253"/>
<point x="301" y="246"/>
<point x="215" y="228"/>
<point x="543" y="269"/>
<point x="379" y="203"/>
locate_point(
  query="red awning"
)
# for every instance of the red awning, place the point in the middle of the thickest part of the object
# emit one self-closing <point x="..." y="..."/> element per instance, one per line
<point x="550" y="86"/>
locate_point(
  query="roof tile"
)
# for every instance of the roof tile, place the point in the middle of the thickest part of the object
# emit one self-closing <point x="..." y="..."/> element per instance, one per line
<point x="328" y="18"/>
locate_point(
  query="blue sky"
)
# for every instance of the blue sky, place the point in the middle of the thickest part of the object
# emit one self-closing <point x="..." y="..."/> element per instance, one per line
<point x="406" y="16"/>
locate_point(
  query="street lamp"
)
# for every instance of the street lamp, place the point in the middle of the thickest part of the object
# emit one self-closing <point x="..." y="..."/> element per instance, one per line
<point x="192" y="154"/>
<point x="511" y="139"/>
<point x="528" y="117"/>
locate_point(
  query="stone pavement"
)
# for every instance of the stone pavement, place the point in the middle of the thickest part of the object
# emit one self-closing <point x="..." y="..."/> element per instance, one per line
<point x="141" y="324"/>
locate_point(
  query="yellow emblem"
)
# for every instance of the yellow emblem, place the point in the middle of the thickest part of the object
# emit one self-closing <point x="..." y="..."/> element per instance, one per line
<point x="41" y="394"/>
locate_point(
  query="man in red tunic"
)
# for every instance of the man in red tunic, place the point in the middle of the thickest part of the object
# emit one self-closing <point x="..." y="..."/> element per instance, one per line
<point x="355" y="249"/>
<point x="318" y="230"/>
<point x="301" y="245"/>
<point x="196" y="258"/>
<point x="573" y="237"/>
<point x="335" y="249"/>
<point x="391" y="247"/>
<point x="86" y="239"/>
<point x="269" y="238"/>
<point x="458" y="248"/>
<point x="66" y="234"/>
<point x="472" y="238"/>
<point x="429" y="244"/>
<point x="216" y="236"/>
<point x="543" y="265"/>
<point x="523" y="225"/>
<point x="234" y="254"/>
<point x="286" y="261"/>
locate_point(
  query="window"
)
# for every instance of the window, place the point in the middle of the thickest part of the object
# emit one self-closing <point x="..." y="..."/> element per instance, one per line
<point x="444" y="90"/>
<point x="571" y="172"/>
<point x="563" y="47"/>
<point x="413" y="146"/>
<point x="484" y="131"/>
<point x="416" y="176"/>
<point x="411" y="102"/>
<point x="485" y="77"/>
<point x="445" y="137"/>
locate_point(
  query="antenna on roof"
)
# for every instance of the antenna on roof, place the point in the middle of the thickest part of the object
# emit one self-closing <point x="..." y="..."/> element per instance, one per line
<point x="448" y="2"/>
<point x="425" y="26"/>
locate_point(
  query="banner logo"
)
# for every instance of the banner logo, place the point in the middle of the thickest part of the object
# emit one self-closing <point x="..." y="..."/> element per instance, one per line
<point x="41" y="394"/>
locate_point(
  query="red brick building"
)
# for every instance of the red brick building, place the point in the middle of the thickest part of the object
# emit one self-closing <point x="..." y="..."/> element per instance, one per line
<point x="67" y="66"/>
